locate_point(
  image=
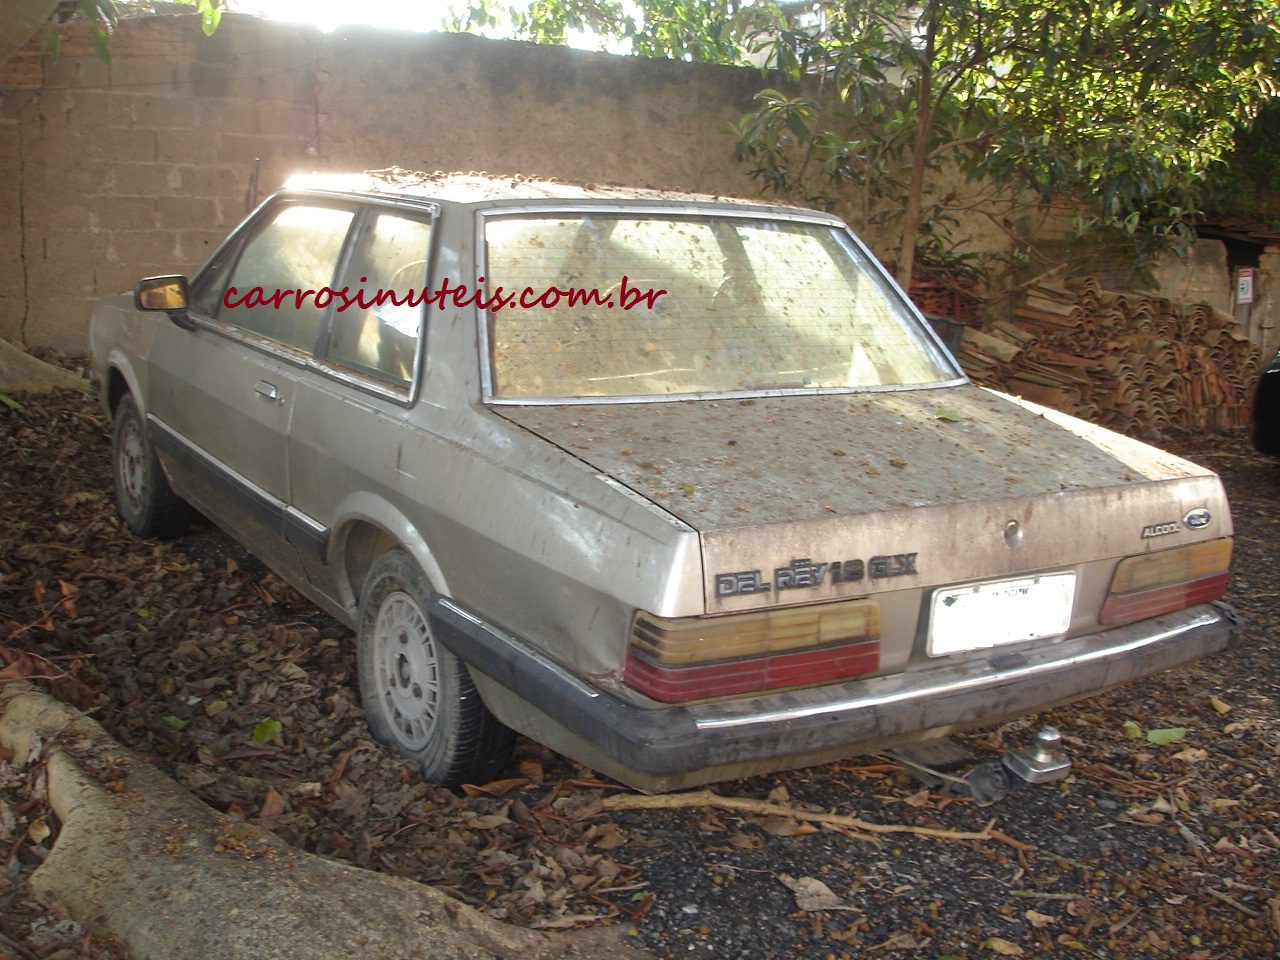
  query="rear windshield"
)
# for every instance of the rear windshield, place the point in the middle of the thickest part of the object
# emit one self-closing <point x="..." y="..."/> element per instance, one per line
<point x="661" y="306"/>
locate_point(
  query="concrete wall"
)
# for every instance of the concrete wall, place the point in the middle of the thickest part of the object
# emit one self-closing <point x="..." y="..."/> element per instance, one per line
<point x="113" y="172"/>
<point x="109" y="173"/>
<point x="1199" y="277"/>
<point x="1265" y="314"/>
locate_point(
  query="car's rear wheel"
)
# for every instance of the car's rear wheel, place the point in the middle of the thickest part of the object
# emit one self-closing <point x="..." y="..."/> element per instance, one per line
<point x="144" y="500"/>
<point x="418" y="697"/>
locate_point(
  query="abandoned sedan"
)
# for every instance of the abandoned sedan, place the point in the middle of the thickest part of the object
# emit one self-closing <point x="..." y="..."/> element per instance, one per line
<point x="681" y="487"/>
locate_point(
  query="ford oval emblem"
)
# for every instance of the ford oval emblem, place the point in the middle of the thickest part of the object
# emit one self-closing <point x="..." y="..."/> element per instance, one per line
<point x="1197" y="518"/>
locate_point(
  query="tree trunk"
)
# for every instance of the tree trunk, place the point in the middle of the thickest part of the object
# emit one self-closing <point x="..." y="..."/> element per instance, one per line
<point x="913" y="208"/>
<point x="140" y="859"/>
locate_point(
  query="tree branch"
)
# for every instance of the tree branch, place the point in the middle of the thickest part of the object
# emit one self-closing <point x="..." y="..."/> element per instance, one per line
<point x="765" y="808"/>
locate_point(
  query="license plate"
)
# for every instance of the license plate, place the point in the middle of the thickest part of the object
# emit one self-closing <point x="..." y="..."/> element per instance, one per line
<point x="980" y="615"/>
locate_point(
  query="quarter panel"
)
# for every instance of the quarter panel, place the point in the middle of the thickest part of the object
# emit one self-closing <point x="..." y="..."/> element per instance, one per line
<point x="517" y="529"/>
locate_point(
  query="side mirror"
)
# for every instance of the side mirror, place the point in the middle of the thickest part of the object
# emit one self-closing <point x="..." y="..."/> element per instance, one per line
<point x="164" y="293"/>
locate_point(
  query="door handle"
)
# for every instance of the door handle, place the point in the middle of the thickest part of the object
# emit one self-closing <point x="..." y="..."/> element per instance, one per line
<point x="268" y="390"/>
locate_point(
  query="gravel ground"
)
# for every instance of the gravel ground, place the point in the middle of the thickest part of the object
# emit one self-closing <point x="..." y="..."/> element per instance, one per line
<point x="196" y="656"/>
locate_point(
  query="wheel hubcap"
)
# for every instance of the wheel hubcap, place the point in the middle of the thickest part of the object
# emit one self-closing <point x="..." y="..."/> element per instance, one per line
<point x="131" y="466"/>
<point x="408" y="672"/>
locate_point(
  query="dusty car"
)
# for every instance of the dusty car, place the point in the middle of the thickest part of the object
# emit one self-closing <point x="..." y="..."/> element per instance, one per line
<point x="681" y="487"/>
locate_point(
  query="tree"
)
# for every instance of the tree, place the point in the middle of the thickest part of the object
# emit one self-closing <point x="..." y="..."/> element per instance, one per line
<point x="20" y="20"/>
<point x="703" y="30"/>
<point x="1120" y="106"/>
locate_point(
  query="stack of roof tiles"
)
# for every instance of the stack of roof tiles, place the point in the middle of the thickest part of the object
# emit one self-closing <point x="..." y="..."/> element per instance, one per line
<point x="1130" y="361"/>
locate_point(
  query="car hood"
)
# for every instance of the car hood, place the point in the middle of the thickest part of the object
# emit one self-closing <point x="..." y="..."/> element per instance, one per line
<point x="938" y="473"/>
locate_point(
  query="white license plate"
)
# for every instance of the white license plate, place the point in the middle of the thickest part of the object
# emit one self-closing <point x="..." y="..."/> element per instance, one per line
<point x="980" y="615"/>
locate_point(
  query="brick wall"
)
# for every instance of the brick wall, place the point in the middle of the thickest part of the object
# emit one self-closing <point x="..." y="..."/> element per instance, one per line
<point x="112" y="172"/>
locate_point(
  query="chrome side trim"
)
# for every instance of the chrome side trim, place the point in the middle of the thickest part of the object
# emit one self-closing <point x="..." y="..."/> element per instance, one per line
<point x="306" y="533"/>
<point x="303" y="531"/>
<point x="745" y="210"/>
<point x="315" y="526"/>
<point x="903" y="689"/>
<point x="168" y="434"/>
<point x="725" y="395"/>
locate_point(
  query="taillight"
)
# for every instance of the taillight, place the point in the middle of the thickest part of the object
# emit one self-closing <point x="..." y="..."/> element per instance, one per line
<point x="1155" y="583"/>
<point x="694" y="658"/>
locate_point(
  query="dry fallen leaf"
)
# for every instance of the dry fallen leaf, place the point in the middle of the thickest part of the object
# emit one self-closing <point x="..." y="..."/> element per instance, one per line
<point x="1038" y="920"/>
<point x="611" y="837"/>
<point x="918" y="799"/>
<point x="902" y="940"/>
<point x="1166" y="735"/>
<point x="489" y="821"/>
<point x="777" y="826"/>
<point x="1224" y="845"/>
<point x="1001" y="946"/>
<point x="273" y="805"/>
<point x="494" y="788"/>
<point x="812" y="894"/>
<point x="1219" y="705"/>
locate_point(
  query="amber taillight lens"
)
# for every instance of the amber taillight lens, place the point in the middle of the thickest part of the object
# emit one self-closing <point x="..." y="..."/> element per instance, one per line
<point x="695" y="658"/>
<point x="1167" y="580"/>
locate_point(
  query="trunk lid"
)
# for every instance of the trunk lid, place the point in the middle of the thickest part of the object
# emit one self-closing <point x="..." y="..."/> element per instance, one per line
<point x="804" y="498"/>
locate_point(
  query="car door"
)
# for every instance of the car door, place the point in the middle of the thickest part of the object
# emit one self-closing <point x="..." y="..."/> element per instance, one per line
<point x="222" y="393"/>
<point x="351" y="419"/>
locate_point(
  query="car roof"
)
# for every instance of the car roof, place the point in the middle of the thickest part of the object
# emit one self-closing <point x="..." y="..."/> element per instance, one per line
<point x="484" y="188"/>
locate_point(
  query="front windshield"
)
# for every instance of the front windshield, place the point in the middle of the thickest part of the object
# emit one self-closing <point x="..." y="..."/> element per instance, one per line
<point x="747" y="305"/>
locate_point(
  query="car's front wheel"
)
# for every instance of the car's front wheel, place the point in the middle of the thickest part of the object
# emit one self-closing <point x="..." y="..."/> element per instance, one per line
<point x="418" y="697"/>
<point x="143" y="497"/>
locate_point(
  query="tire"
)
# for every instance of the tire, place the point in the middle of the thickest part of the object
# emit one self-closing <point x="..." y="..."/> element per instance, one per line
<point x="418" y="697"/>
<point x="144" y="500"/>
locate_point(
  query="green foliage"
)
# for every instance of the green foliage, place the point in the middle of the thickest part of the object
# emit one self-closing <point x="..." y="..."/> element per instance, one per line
<point x="1166" y="735"/>
<point x="701" y="30"/>
<point x="542" y="21"/>
<point x="1248" y="188"/>
<point x="267" y="730"/>
<point x="210" y="14"/>
<point x="1120" y="109"/>
<point x="103" y="15"/>
<point x="1122" y="106"/>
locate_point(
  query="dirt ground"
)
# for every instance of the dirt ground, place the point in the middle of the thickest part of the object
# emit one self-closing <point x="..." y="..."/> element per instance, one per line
<point x="194" y="655"/>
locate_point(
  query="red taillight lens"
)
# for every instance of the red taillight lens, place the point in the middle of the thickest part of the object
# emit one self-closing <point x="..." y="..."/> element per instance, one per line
<point x="1156" y="583"/>
<point x="695" y="658"/>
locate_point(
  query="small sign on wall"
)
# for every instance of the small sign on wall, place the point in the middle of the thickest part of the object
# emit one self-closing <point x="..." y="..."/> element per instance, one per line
<point x="1244" y="285"/>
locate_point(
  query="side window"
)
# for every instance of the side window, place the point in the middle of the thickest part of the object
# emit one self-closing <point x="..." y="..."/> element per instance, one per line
<point x="293" y="255"/>
<point x="377" y="326"/>
<point x="207" y="289"/>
